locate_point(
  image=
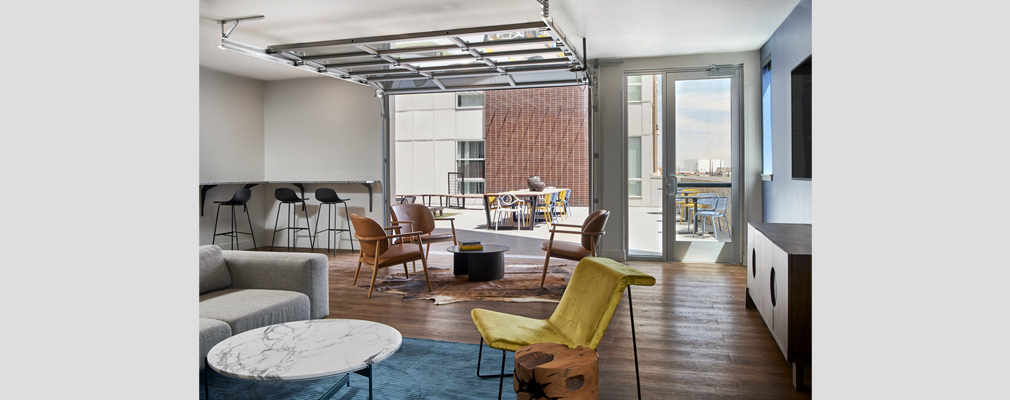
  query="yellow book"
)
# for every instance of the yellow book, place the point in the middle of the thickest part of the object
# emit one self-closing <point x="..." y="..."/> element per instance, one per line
<point x="471" y="247"/>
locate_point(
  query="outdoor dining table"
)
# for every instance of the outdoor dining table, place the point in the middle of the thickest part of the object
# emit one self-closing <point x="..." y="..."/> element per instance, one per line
<point x="693" y="199"/>
<point x="526" y="195"/>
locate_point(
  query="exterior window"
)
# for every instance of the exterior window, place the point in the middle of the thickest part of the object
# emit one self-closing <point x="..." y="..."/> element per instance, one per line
<point x="635" y="166"/>
<point x="635" y="88"/>
<point x="470" y="164"/>
<point x="471" y="187"/>
<point x="470" y="100"/>
<point x="766" y="118"/>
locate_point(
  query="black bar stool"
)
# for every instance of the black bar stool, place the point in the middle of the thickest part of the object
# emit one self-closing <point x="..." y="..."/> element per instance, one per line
<point x="240" y="198"/>
<point x="328" y="197"/>
<point x="287" y="196"/>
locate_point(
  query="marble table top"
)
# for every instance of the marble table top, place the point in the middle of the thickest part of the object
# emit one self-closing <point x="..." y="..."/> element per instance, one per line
<point x="304" y="349"/>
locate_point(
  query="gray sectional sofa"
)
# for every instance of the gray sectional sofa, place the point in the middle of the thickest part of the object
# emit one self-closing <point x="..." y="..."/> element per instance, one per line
<point x="243" y="290"/>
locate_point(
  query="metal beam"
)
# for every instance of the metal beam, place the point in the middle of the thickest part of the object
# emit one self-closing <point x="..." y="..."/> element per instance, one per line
<point x="487" y="72"/>
<point x="491" y="86"/>
<point x="410" y="36"/>
<point x="556" y="33"/>
<point x="481" y="65"/>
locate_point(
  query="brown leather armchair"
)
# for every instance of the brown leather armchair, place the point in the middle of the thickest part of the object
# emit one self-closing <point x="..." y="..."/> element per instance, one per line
<point x="418" y="218"/>
<point x="591" y="231"/>
<point x="378" y="250"/>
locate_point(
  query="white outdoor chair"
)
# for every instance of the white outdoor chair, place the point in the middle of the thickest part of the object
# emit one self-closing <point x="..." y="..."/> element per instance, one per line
<point x="509" y="204"/>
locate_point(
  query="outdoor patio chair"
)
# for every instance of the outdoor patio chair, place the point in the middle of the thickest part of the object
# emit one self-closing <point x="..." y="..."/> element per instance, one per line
<point x="706" y="202"/>
<point x="591" y="231"/>
<point x="581" y="318"/>
<point x="508" y="204"/>
<point x="561" y="204"/>
<point x="378" y="249"/>
<point x="545" y="206"/>
<point x="718" y="211"/>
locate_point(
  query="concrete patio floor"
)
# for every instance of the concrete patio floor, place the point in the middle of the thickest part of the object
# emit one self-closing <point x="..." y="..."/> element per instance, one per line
<point x="644" y="233"/>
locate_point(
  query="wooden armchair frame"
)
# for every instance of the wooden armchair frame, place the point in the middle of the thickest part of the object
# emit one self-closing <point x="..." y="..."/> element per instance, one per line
<point x="376" y="261"/>
<point x="591" y="231"/>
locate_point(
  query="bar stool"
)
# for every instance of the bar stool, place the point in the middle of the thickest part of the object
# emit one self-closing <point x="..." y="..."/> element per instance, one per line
<point x="290" y="198"/>
<point x="240" y="198"/>
<point x="328" y="197"/>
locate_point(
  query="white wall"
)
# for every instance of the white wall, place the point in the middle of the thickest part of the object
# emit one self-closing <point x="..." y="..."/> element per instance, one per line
<point x="610" y="136"/>
<point x="231" y="149"/>
<point x="231" y="127"/>
<point x="321" y="129"/>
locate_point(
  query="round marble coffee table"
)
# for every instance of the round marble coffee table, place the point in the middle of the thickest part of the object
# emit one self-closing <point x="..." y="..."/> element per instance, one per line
<point x="306" y="350"/>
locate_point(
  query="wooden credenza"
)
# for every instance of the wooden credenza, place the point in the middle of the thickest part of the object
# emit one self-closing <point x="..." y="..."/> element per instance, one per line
<point x="778" y="287"/>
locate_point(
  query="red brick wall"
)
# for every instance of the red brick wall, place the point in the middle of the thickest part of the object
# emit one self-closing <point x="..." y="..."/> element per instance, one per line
<point x="542" y="132"/>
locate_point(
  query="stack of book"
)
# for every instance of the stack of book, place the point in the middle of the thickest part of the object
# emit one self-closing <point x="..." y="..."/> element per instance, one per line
<point x="470" y="245"/>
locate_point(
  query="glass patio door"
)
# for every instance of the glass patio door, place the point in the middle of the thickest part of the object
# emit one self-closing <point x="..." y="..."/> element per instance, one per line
<point x="682" y="190"/>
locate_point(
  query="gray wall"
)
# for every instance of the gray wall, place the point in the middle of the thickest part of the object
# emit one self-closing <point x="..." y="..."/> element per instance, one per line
<point x="321" y="129"/>
<point x="231" y="127"/>
<point x="611" y="187"/>
<point x="313" y="129"/>
<point x="787" y="200"/>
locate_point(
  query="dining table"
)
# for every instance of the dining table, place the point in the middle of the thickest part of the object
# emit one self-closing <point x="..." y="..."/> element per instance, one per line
<point x="693" y="199"/>
<point x="526" y="195"/>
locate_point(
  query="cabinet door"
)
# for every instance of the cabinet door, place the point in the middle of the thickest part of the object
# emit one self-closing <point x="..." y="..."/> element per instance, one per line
<point x="779" y="287"/>
<point x="756" y="273"/>
<point x="754" y="253"/>
<point x="765" y="266"/>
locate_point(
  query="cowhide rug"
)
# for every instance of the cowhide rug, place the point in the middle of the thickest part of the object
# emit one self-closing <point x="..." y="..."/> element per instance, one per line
<point x="520" y="284"/>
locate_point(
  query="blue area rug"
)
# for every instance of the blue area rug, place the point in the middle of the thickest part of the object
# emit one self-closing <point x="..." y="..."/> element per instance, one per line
<point x="420" y="369"/>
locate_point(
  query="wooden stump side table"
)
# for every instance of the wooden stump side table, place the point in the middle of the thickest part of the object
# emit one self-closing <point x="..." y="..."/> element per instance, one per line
<point x="555" y="371"/>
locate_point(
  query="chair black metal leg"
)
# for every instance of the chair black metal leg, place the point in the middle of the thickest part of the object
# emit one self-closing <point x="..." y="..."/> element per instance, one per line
<point x="273" y="238"/>
<point x="234" y="230"/>
<point x="315" y="231"/>
<point x="311" y="237"/>
<point x="251" y="230"/>
<point x="634" y="343"/>
<point x="480" y="351"/>
<point x="331" y="221"/>
<point x="501" y="380"/>
<point x="349" y="234"/>
<point x="287" y="229"/>
<point x="213" y="240"/>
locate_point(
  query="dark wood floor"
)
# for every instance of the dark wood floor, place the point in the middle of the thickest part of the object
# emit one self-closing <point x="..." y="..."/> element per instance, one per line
<point x="695" y="338"/>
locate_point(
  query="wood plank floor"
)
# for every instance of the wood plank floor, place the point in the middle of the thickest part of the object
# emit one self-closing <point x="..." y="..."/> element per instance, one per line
<point x="695" y="338"/>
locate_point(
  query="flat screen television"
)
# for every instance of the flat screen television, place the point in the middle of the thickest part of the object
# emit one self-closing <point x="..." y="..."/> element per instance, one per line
<point x="801" y="101"/>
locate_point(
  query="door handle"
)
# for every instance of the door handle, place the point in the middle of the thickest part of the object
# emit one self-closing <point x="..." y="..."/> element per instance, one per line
<point x="671" y="185"/>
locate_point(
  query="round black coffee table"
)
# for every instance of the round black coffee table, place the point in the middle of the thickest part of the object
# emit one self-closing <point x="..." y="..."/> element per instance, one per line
<point x="479" y="265"/>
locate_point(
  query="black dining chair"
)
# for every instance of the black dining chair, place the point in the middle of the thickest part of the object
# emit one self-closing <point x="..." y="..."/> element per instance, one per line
<point x="287" y="196"/>
<point x="240" y="198"/>
<point x="329" y="198"/>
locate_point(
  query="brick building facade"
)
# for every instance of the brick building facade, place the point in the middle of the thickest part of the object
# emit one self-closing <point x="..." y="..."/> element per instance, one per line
<point x="542" y="132"/>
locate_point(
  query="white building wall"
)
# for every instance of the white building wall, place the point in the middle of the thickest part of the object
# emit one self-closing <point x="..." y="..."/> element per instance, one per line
<point x="639" y="115"/>
<point x="426" y="129"/>
<point x="470" y="124"/>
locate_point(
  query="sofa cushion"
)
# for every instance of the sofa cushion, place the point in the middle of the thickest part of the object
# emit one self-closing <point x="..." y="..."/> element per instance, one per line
<point x="213" y="270"/>
<point x="212" y="332"/>
<point x="245" y="309"/>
